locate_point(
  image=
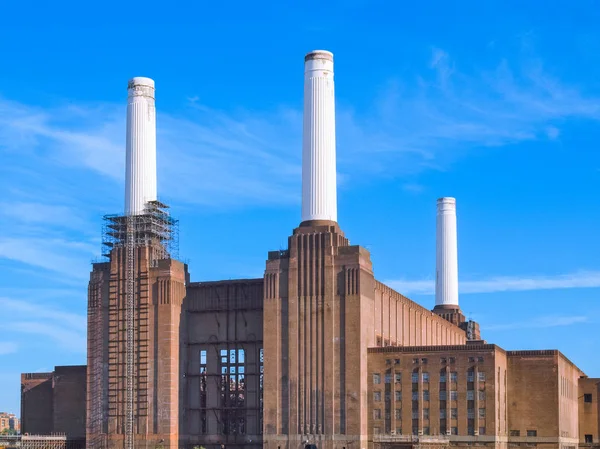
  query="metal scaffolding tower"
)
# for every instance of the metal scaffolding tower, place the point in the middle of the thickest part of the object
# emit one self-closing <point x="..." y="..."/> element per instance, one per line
<point x="130" y="330"/>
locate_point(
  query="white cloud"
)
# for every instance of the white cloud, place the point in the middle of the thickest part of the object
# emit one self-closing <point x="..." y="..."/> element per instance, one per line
<point x="538" y="323"/>
<point x="7" y="347"/>
<point x="67" y="329"/>
<point x="582" y="279"/>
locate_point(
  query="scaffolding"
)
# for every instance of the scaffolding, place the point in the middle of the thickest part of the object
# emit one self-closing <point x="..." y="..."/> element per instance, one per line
<point x="125" y="240"/>
<point x="54" y="441"/>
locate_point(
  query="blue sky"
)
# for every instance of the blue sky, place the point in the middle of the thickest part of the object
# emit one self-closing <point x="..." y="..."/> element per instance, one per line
<point x="495" y="104"/>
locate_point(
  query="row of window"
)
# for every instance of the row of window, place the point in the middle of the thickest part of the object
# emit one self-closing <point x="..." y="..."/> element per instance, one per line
<point x="415" y="413"/>
<point x="426" y="430"/>
<point x="425" y="377"/>
<point x="517" y="433"/>
<point x="443" y="396"/>
<point x="443" y="360"/>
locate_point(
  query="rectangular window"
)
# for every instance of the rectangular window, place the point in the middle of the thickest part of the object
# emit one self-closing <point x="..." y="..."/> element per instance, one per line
<point x="470" y="395"/>
<point x="415" y="415"/>
<point x="454" y="413"/>
<point x="415" y="361"/>
<point x="425" y="377"/>
<point x="515" y="433"/>
<point x="587" y="398"/>
<point x="415" y="378"/>
<point x="398" y="396"/>
<point x="452" y="359"/>
<point x="376" y="378"/>
<point x="425" y="430"/>
<point x="415" y="430"/>
<point x="415" y="395"/>
<point x="397" y="361"/>
<point x="470" y="376"/>
<point x="453" y="376"/>
<point x="470" y="413"/>
<point x="398" y="413"/>
<point x="443" y="360"/>
<point x="426" y="395"/>
<point x="232" y="391"/>
<point x="388" y="378"/>
<point x="398" y="377"/>
<point x="442" y="413"/>
<point x="388" y="396"/>
<point x="443" y="395"/>
<point x="482" y="431"/>
<point x="203" y="357"/>
<point x="442" y="377"/>
<point x="481" y="395"/>
<point x="377" y="396"/>
<point x="481" y="376"/>
<point x="376" y="413"/>
<point x="453" y="395"/>
<point x="471" y="359"/>
<point x="425" y="413"/>
<point x="482" y="413"/>
<point x="532" y="433"/>
<point x="470" y="431"/>
<point x="398" y="430"/>
<point x="454" y="430"/>
<point x="480" y="359"/>
<point x="424" y="361"/>
<point x="589" y="439"/>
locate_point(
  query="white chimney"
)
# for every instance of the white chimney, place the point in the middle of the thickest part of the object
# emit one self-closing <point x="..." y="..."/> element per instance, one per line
<point x="140" y="171"/>
<point x="319" y="197"/>
<point x="446" y="276"/>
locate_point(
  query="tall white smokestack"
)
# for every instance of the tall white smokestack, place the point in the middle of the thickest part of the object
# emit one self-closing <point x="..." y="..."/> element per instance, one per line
<point x="319" y="196"/>
<point x="140" y="175"/>
<point x="446" y="277"/>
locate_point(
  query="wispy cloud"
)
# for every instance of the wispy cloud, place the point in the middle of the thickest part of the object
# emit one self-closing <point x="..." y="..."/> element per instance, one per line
<point x="538" y="323"/>
<point x="582" y="279"/>
<point x="66" y="329"/>
<point x="7" y="347"/>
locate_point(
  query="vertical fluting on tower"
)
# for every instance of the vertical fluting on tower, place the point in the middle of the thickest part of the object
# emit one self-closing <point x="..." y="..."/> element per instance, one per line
<point x="140" y="172"/>
<point x="319" y="197"/>
<point x="446" y="278"/>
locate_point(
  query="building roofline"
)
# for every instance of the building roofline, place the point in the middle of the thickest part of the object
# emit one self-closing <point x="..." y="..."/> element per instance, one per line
<point x="438" y="348"/>
<point x="226" y="281"/>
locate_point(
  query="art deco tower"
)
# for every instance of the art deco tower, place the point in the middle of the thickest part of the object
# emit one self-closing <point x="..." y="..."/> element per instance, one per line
<point x="318" y="294"/>
<point x="134" y="304"/>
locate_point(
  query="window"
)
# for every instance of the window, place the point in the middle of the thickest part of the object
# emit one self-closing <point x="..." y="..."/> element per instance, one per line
<point x="471" y="359"/>
<point x="481" y="395"/>
<point x="376" y="413"/>
<point x="415" y="377"/>
<point x="470" y="431"/>
<point x="425" y="377"/>
<point x="454" y="430"/>
<point x="515" y="433"/>
<point x="398" y="430"/>
<point x="377" y="396"/>
<point x="470" y="395"/>
<point x="415" y="395"/>
<point x="388" y="378"/>
<point x="415" y="361"/>
<point x="424" y="361"/>
<point x="398" y="378"/>
<point x="453" y="376"/>
<point x="415" y="414"/>
<point x="470" y="376"/>
<point x="442" y="377"/>
<point x="453" y="395"/>
<point x="442" y="413"/>
<point x="443" y="395"/>
<point x="454" y="413"/>
<point x="397" y="361"/>
<point x="482" y="431"/>
<point x="589" y="438"/>
<point x="587" y="398"/>
<point x="482" y="413"/>
<point x="398" y="396"/>
<point x="376" y="378"/>
<point x="481" y="376"/>
<point x="415" y="430"/>
<point x="443" y="360"/>
<point x="398" y="413"/>
<point x="470" y="413"/>
<point x="480" y="359"/>
<point x="388" y="396"/>
<point x="532" y="433"/>
<point x="203" y="391"/>
<point x="426" y="395"/>
<point x="452" y="359"/>
<point x="425" y="430"/>
<point x="232" y="391"/>
<point x="425" y="413"/>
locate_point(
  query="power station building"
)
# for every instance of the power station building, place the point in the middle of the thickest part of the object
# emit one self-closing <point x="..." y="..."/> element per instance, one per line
<point x="317" y="351"/>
